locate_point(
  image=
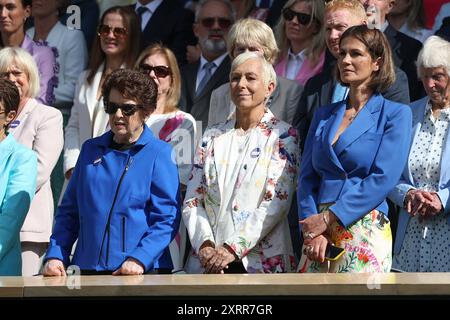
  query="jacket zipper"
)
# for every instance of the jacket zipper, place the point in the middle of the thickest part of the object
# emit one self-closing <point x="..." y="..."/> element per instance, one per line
<point x="108" y="224"/>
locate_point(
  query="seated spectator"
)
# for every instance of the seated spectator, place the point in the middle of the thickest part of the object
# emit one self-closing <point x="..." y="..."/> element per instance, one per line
<point x="169" y="123"/>
<point x="121" y="203"/>
<point x="353" y="156"/>
<point x="116" y="46"/>
<point x="70" y="47"/>
<point x="40" y="128"/>
<point x="408" y="17"/>
<point x="13" y="35"/>
<point x="253" y="35"/>
<point x="422" y="243"/>
<point x="18" y="172"/>
<point x="301" y="38"/>
<point x="242" y="183"/>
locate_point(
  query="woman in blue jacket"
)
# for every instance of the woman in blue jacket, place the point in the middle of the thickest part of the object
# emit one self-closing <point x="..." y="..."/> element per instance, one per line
<point x="18" y="171"/>
<point x="354" y="155"/>
<point x="122" y="202"/>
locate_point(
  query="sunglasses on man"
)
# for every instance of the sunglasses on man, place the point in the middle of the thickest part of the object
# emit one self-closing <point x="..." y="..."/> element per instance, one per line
<point x="160" y="71"/>
<point x="302" y="18"/>
<point x="128" y="109"/>
<point x="223" y="23"/>
<point x="119" y="32"/>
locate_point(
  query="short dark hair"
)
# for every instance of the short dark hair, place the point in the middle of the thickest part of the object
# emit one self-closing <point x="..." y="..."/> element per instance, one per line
<point x="132" y="85"/>
<point x="378" y="47"/>
<point x="9" y="95"/>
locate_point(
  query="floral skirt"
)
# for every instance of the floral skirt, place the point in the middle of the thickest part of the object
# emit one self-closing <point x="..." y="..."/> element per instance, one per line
<point x="367" y="244"/>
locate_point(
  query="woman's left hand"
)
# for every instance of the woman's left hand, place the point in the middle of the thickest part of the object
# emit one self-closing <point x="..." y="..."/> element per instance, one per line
<point x="219" y="261"/>
<point x="130" y="267"/>
<point x="315" y="225"/>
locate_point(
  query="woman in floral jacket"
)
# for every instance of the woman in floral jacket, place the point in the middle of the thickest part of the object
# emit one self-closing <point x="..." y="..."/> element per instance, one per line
<point x="244" y="175"/>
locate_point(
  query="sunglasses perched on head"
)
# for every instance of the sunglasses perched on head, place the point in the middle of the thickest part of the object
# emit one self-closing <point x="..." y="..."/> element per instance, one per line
<point x="302" y="18"/>
<point x="119" y="32"/>
<point x="160" y="71"/>
<point x="127" y="109"/>
<point x="223" y="23"/>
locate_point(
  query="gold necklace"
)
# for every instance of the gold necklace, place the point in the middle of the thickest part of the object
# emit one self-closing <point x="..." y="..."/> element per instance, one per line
<point x="354" y="114"/>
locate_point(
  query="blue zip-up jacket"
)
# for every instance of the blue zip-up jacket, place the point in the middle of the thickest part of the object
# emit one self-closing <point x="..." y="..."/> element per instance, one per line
<point x="119" y="205"/>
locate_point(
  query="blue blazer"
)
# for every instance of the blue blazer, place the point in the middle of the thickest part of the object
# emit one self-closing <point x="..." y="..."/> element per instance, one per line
<point x="18" y="172"/>
<point x="119" y="205"/>
<point x="397" y="195"/>
<point x="364" y="164"/>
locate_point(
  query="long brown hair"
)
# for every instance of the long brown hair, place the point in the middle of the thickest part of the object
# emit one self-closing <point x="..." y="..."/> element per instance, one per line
<point x="131" y="23"/>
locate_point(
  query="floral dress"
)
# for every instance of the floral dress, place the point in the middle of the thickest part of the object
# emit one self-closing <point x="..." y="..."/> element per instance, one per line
<point x="240" y="191"/>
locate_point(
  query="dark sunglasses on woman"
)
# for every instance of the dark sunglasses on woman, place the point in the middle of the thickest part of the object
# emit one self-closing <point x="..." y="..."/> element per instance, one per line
<point x="302" y="18"/>
<point x="160" y="71"/>
<point x="119" y="32"/>
<point x="223" y="23"/>
<point x="128" y="109"/>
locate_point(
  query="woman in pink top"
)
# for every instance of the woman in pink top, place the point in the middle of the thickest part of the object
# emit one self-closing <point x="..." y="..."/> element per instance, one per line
<point x="300" y="36"/>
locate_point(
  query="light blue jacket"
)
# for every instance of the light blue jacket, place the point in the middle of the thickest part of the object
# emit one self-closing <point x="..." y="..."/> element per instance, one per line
<point x="364" y="164"/>
<point x="119" y="205"/>
<point x="18" y="171"/>
<point x="397" y="195"/>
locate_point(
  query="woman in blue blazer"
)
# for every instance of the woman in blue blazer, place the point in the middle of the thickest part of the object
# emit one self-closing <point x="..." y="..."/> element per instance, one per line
<point x="422" y="242"/>
<point x="353" y="157"/>
<point x="122" y="202"/>
<point x="18" y="171"/>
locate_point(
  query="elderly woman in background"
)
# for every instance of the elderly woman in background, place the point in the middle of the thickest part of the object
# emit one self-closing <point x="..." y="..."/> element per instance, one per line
<point x="301" y="38"/>
<point x="122" y="200"/>
<point x="422" y="243"/>
<point x="169" y="123"/>
<point x="18" y="170"/>
<point x="354" y="154"/>
<point x="243" y="179"/>
<point x="254" y="35"/>
<point x="408" y="17"/>
<point x="14" y="15"/>
<point x="39" y="127"/>
<point x="116" y="46"/>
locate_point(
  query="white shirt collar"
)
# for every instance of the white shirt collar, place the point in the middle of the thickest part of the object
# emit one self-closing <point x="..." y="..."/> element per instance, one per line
<point x="299" y="56"/>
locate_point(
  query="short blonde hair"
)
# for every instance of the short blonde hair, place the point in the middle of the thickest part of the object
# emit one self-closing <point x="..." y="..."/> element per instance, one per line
<point x="174" y="92"/>
<point x="434" y="54"/>
<point x="318" y="40"/>
<point x="23" y="60"/>
<point x="250" y="31"/>
<point x="351" y="5"/>
<point x="268" y="73"/>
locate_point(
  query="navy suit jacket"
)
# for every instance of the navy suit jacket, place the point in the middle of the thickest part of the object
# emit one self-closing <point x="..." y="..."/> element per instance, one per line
<point x="404" y="53"/>
<point x="319" y="90"/>
<point x="198" y="106"/>
<point x="171" y="25"/>
<point x="365" y="163"/>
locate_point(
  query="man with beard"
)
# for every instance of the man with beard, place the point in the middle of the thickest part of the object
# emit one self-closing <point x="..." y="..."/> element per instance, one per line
<point x="213" y="19"/>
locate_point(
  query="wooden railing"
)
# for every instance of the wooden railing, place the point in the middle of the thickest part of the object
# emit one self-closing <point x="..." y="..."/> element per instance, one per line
<point x="391" y="284"/>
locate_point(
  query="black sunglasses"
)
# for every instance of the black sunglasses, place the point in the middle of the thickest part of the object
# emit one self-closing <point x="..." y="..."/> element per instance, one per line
<point x="302" y="18"/>
<point x="223" y="23"/>
<point x="160" y="71"/>
<point x="128" y="109"/>
<point x="119" y="32"/>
